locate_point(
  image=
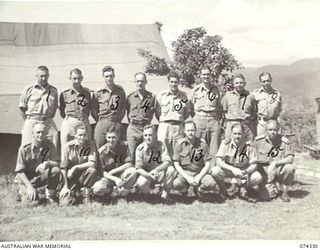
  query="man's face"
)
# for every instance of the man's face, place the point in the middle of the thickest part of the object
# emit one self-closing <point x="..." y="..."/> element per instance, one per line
<point x="42" y="77"/>
<point x="149" y="136"/>
<point x="190" y="131"/>
<point x="205" y="76"/>
<point x="272" y="130"/>
<point x="239" y="84"/>
<point x="141" y="82"/>
<point x="265" y="82"/>
<point x="236" y="134"/>
<point x="81" y="136"/>
<point x="173" y="84"/>
<point x="76" y="79"/>
<point x="39" y="133"/>
<point x="108" y="77"/>
<point x="112" y="139"/>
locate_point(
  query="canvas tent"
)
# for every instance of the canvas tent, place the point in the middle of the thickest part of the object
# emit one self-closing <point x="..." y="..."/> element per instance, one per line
<point x="61" y="47"/>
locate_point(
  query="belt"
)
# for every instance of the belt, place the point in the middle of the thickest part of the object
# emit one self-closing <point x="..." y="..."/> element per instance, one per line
<point x="38" y="117"/>
<point x="78" y="118"/>
<point x="139" y="123"/>
<point x="111" y="119"/>
<point x="173" y="122"/>
<point x="261" y="118"/>
<point x="207" y="114"/>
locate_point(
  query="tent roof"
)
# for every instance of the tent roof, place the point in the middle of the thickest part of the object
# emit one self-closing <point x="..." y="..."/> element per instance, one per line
<point x="61" y="47"/>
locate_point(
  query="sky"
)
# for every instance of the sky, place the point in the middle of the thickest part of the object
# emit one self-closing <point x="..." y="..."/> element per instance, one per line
<point x="257" y="32"/>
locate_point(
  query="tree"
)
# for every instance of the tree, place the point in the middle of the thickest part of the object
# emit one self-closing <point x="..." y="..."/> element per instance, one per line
<point x="191" y="51"/>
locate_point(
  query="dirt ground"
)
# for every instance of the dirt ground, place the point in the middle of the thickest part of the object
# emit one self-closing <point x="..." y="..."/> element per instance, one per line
<point x="138" y="220"/>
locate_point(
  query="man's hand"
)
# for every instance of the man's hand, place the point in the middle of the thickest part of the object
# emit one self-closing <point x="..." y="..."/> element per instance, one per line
<point x="118" y="182"/>
<point x="196" y="180"/>
<point x="31" y="193"/>
<point x="190" y="180"/>
<point x="154" y="174"/>
<point x="237" y="172"/>
<point x="41" y="167"/>
<point x="72" y="171"/>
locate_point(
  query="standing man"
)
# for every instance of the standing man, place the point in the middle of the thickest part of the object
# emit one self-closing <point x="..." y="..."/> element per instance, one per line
<point x="153" y="164"/>
<point x="237" y="159"/>
<point x="75" y="108"/>
<point x="37" y="167"/>
<point x="269" y="102"/>
<point x="38" y="103"/>
<point x="175" y="109"/>
<point x="275" y="156"/>
<point x="78" y="166"/>
<point x="206" y="103"/>
<point x="239" y="106"/>
<point x="118" y="175"/>
<point x="109" y="107"/>
<point x="192" y="162"/>
<point x="141" y="106"/>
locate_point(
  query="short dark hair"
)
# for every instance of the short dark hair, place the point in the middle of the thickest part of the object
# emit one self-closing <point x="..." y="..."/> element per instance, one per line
<point x="173" y="74"/>
<point x="76" y="71"/>
<point x="107" y="69"/>
<point x="43" y="68"/>
<point x="189" y="122"/>
<point x="239" y="76"/>
<point x="206" y="67"/>
<point x="274" y="122"/>
<point x="80" y="126"/>
<point x="112" y="130"/>
<point x="235" y="125"/>
<point x="149" y="126"/>
<point x="141" y="73"/>
<point x="265" y="74"/>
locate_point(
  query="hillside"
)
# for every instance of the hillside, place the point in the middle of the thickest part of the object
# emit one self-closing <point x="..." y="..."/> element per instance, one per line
<point x="298" y="82"/>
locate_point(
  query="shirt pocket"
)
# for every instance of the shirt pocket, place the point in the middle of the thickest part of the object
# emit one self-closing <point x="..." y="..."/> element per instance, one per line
<point x="165" y="106"/>
<point x="70" y="105"/>
<point x="200" y="100"/>
<point x="185" y="158"/>
<point x="34" y="102"/>
<point x="103" y="103"/>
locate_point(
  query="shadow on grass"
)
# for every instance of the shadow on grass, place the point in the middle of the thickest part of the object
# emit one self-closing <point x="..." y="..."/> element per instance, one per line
<point x="298" y="193"/>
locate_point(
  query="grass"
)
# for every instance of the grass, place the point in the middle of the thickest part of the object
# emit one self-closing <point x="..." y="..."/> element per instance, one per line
<point x="140" y="220"/>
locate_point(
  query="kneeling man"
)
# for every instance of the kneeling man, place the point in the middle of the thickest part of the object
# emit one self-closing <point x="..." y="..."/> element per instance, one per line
<point x="276" y="157"/>
<point x="192" y="162"/>
<point x="78" y="166"/>
<point x="118" y="175"/>
<point x="37" y="167"/>
<point x="152" y="162"/>
<point x="237" y="159"/>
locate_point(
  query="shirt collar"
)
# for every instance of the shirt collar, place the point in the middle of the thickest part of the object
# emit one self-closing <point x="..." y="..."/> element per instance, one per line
<point x="75" y="91"/>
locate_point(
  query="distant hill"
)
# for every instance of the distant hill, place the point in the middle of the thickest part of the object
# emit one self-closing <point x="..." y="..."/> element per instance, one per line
<point x="298" y="82"/>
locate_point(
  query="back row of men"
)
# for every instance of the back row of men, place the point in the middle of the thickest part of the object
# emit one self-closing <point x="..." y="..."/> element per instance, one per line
<point x="251" y="113"/>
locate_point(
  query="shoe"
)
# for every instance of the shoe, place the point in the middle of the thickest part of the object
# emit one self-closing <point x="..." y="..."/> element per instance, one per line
<point x="156" y="191"/>
<point x="244" y="196"/>
<point x="124" y="192"/>
<point x="233" y="190"/>
<point x="166" y="198"/>
<point x="86" y="195"/>
<point x="51" y="201"/>
<point x="191" y="192"/>
<point x="284" y="197"/>
<point x="116" y="192"/>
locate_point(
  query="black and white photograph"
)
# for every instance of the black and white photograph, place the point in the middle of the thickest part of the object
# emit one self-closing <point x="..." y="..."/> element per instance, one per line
<point x="159" y="120"/>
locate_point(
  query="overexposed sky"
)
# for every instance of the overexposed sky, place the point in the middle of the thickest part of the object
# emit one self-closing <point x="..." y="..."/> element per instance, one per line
<point x="257" y="32"/>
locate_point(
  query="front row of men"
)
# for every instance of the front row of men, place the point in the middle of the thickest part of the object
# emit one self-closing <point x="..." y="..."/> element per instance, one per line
<point x="263" y="166"/>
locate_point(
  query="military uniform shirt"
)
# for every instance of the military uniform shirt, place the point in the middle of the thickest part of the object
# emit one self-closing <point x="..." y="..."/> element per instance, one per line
<point x="76" y="104"/>
<point x="110" y="103"/>
<point x="30" y="156"/>
<point x="240" y="157"/>
<point x="141" y="109"/>
<point x="39" y="101"/>
<point x="74" y="154"/>
<point x="191" y="157"/>
<point x="269" y="151"/>
<point x="150" y="158"/>
<point x="174" y="107"/>
<point x="111" y="159"/>
<point x="239" y="107"/>
<point x="269" y="104"/>
<point x="206" y="100"/>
